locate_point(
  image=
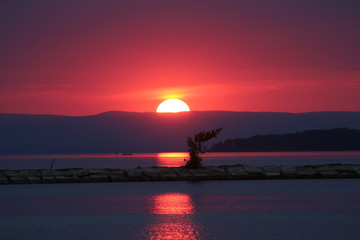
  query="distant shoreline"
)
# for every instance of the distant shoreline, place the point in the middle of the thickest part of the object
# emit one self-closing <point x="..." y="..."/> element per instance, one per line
<point x="336" y="139"/>
<point x="148" y="174"/>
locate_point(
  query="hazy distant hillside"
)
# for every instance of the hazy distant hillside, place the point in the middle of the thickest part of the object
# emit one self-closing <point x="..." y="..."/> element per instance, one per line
<point x="149" y="132"/>
<point x="339" y="139"/>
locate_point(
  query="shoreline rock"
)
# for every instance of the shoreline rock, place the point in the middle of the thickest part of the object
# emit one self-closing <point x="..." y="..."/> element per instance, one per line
<point x="144" y="174"/>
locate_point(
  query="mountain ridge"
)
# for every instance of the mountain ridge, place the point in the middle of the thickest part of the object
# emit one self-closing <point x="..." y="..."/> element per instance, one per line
<point x="117" y="131"/>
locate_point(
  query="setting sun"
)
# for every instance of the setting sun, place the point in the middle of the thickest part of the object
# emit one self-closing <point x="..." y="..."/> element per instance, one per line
<point x="172" y="106"/>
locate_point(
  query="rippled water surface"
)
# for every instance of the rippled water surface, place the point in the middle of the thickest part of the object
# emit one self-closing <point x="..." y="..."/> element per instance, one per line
<point x="175" y="159"/>
<point x="268" y="209"/>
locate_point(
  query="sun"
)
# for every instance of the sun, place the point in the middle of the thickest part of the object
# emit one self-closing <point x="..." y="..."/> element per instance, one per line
<point x="172" y="106"/>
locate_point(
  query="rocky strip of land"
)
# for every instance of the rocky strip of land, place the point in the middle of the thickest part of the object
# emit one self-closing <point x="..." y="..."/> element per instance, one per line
<point x="233" y="172"/>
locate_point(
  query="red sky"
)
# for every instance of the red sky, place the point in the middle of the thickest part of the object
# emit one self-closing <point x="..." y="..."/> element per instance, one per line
<point x="85" y="57"/>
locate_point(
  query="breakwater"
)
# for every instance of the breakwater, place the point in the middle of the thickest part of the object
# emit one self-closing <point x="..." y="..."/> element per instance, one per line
<point x="233" y="172"/>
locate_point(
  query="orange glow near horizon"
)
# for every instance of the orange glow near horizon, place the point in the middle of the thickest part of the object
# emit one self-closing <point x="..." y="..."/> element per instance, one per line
<point x="63" y="68"/>
<point x="171" y="159"/>
<point x="172" y="106"/>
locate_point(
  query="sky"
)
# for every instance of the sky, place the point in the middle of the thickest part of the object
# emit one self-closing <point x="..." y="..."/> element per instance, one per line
<point x="84" y="57"/>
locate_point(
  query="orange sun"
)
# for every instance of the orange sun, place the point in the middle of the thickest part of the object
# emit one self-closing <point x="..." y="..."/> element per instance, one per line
<point x="172" y="106"/>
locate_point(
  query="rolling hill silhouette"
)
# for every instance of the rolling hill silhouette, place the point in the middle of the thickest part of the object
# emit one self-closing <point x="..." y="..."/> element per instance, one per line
<point x="337" y="139"/>
<point x="111" y="132"/>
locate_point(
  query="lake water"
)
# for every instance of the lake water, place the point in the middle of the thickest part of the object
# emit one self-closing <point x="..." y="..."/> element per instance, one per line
<point x="259" y="210"/>
<point x="175" y="159"/>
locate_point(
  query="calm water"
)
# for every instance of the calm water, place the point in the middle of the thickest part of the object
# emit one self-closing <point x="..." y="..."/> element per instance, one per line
<point x="175" y="159"/>
<point x="276" y="209"/>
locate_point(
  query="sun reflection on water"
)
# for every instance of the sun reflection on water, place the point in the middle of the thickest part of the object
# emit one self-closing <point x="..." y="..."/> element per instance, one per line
<point x="174" y="218"/>
<point x="171" y="159"/>
<point x="173" y="203"/>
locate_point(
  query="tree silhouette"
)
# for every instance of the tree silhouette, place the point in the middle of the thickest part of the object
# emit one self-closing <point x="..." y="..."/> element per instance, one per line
<point x="196" y="147"/>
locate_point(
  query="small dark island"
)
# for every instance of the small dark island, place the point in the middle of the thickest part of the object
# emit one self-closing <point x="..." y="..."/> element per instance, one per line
<point x="338" y="139"/>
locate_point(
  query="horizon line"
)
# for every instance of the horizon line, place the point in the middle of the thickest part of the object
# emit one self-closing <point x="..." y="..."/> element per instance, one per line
<point x="169" y="113"/>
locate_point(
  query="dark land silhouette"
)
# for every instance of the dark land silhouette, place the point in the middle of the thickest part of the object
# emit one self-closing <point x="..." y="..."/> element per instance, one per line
<point x="338" y="139"/>
<point x="112" y="132"/>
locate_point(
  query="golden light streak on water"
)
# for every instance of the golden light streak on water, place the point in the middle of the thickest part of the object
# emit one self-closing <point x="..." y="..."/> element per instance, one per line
<point x="171" y="159"/>
<point x="174" y="218"/>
